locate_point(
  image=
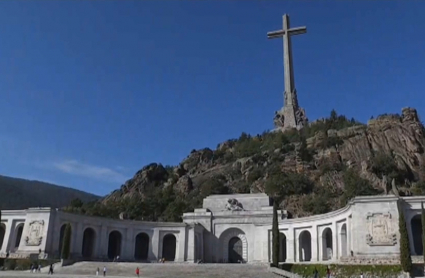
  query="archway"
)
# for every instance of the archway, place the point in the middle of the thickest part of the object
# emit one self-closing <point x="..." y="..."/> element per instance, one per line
<point x="169" y="244"/>
<point x="89" y="239"/>
<point x="61" y="235"/>
<point x="19" y="231"/>
<point x="327" y="244"/>
<point x="225" y="244"/>
<point x="235" y="250"/>
<point x="114" y="245"/>
<point x="344" y="241"/>
<point x="198" y="253"/>
<point x="141" y="248"/>
<point x="305" y="246"/>
<point x="2" y="233"/>
<point x="416" y="224"/>
<point x="282" y="247"/>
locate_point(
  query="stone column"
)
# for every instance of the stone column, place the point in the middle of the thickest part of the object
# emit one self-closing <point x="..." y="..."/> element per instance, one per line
<point x="349" y="238"/>
<point x="78" y="243"/>
<point x="102" y="243"/>
<point x="314" y="245"/>
<point x="7" y="236"/>
<point x="335" y="243"/>
<point x="128" y="250"/>
<point x="320" y="247"/>
<point x="155" y="255"/>
<point x="191" y="244"/>
<point x="291" y="253"/>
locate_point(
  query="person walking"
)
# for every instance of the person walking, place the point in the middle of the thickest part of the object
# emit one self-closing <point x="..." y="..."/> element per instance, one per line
<point x="137" y="271"/>
<point x="97" y="272"/>
<point x="328" y="272"/>
<point x="51" y="269"/>
<point x="104" y="271"/>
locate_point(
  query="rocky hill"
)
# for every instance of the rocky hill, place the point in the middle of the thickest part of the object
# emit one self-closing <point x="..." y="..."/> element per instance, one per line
<point x="21" y="194"/>
<point x="314" y="170"/>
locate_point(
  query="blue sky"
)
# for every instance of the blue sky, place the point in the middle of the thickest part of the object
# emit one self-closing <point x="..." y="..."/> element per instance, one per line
<point x="93" y="91"/>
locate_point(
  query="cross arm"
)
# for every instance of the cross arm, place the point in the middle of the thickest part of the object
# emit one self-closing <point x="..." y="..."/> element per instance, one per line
<point x="292" y="31"/>
<point x="275" y="34"/>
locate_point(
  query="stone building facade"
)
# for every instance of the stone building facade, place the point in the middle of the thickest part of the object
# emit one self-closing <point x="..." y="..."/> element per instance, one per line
<point x="228" y="228"/>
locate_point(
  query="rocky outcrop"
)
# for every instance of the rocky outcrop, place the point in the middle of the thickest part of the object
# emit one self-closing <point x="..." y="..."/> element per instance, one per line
<point x="401" y="136"/>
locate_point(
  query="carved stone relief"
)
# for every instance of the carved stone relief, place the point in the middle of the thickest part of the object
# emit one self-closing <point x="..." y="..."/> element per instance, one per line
<point x="380" y="228"/>
<point x="233" y="205"/>
<point x="35" y="233"/>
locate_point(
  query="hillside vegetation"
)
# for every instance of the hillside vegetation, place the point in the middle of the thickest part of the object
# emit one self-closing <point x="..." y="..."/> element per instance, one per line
<point x="315" y="170"/>
<point x="21" y="194"/>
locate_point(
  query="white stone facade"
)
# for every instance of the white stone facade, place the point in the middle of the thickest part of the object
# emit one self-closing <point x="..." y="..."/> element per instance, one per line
<point x="229" y="228"/>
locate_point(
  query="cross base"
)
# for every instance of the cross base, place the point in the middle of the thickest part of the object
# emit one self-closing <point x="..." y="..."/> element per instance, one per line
<point x="289" y="117"/>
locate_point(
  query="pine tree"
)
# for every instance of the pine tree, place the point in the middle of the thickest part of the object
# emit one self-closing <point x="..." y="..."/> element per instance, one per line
<point x="275" y="235"/>
<point x="405" y="258"/>
<point x="66" y="242"/>
<point x="423" y="231"/>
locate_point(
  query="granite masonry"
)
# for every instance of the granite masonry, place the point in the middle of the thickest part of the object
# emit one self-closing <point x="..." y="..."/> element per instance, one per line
<point x="227" y="229"/>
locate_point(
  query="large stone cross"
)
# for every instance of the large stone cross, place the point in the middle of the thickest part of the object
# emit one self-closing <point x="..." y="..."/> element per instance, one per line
<point x="292" y="114"/>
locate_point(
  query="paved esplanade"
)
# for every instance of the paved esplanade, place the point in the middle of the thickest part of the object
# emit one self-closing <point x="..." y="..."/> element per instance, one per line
<point x="292" y="116"/>
<point x="153" y="270"/>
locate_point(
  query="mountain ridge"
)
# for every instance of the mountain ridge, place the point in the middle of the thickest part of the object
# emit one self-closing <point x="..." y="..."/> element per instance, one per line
<point x="19" y="193"/>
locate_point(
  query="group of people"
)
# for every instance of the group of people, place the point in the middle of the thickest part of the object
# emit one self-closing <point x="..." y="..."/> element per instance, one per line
<point x="104" y="271"/>
<point x="37" y="268"/>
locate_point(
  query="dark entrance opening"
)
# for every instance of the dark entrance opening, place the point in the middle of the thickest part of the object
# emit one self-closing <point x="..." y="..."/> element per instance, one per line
<point x="89" y="238"/>
<point x="61" y="235"/>
<point x="282" y="248"/>
<point x="142" y="247"/>
<point x="235" y="250"/>
<point x="19" y="235"/>
<point x="169" y="247"/>
<point x="416" y="224"/>
<point x="114" y="245"/>
<point x="2" y="233"/>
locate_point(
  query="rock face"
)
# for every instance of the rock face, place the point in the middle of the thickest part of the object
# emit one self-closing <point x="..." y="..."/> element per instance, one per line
<point x="227" y="168"/>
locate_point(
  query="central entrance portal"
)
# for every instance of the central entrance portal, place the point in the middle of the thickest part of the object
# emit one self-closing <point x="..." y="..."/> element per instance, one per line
<point x="235" y="250"/>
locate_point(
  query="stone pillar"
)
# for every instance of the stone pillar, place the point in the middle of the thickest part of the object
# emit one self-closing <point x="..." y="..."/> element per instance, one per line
<point x="320" y="246"/>
<point x="155" y="256"/>
<point x="7" y="236"/>
<point x="191" y="244"/>
<point x="78" y="243"/>
<point x="102" y="243"/>
<point x="291" y="252"/>
<point x="128" y="250"/>
<point x="335" y="243"/>
<point x="349" y="237"/>
<point x="314" y="244"/>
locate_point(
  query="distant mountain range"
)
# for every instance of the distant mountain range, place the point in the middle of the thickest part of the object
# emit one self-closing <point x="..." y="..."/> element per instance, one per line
<point x="18" y="193"/>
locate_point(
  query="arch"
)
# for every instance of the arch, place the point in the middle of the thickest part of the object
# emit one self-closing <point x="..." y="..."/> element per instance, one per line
<point x="282" y="247"/>
<point x="327" y="244"/>
<point x="114" y="245"/>
<point x="89" y="240"/>
<point x="169" y="246"/>
<point x="19" y="230"/>
<point x="344" y="240"/>
<point x="416" y="226"/>
<point x="61" y="235"/>
<point x="225" y="238"/>
<point x="304" y="240"/>
<point x="198" y="253"/>
<point x="2" y="234"/>
<point x="141" y="247"/>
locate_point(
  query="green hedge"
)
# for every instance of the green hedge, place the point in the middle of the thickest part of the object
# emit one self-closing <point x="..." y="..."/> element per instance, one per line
<point x="306" y="270"/>
<point x="25" y="264"/>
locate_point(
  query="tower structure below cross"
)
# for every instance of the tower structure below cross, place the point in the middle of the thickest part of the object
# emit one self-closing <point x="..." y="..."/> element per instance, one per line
<point x="291" y="115"/>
